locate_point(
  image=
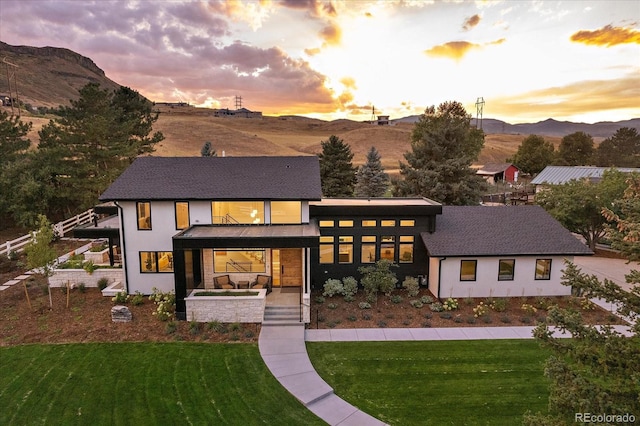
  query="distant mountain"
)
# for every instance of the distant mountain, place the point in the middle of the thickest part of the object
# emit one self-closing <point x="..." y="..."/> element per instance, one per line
<point x="49" y="76"/>
<point x="549" y="127"/>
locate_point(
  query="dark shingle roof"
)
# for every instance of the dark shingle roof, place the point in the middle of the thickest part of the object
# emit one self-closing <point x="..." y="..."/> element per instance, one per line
<point x="222" y="178"/>
<point x="500" y="231"/>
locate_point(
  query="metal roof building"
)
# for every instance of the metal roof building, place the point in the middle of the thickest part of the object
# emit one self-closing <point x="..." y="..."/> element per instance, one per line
<point x="558" y="175"/>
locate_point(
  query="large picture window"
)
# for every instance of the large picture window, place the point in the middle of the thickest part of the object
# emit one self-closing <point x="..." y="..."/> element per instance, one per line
<point x="406" y="249"/>
<point x="543" y="269"/>
<point x="326" y="250"/>
<point x="468" y="270"/>
<point x="182" y="215"/>
<point x="506" y="268"/>
<point x="286" y="212"/>
<point x="368" y="249"/>
<point x="239" y="260"/>
<point x="156" y="261"/>
<point x="237" y="212"/>
<point x="345" y="249"/>
<point x="144" y="215"/>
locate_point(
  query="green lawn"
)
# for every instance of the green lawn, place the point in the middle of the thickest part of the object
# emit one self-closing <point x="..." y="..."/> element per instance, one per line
<point x="143" y="384"/>
<point x="488" y="382"/>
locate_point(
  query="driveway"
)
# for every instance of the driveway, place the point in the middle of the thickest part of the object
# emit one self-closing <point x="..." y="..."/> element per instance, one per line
<point x="611" y="269"/>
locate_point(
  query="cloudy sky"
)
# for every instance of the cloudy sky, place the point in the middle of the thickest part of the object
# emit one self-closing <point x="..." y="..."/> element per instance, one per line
<point x="529" y="60"/>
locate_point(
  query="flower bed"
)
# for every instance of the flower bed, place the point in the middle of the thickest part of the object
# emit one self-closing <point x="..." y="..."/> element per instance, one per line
<point x="220" y="307"/>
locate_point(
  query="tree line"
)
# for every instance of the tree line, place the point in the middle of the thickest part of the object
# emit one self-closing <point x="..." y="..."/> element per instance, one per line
<point x="78" y="155"/>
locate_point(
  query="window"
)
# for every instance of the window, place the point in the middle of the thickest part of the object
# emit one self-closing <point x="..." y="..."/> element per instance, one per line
<point x="406" y="249"/>
<point x="468" y="270"/>
<point x="387" y="223"/>
<point x="505" y="269"/>
<point x="388" y="248"/>
<point x="368" y="249"/>
<point x="239" y="260"/>
<point x="345" y="249"/>
<point x="156" y="261"/>
<point x="368" y="223"/>
<point x="144" y="215"/>
<point x="407" y="223"/>
<point x="182" y="215"/>
<point x="326" y="249"/>
<point x="326" y="224"/>
<point x="286" y="212"/>
<point x="345" y="223"/>
<point x="237" y="212"/>
<point x="543" y="269"/>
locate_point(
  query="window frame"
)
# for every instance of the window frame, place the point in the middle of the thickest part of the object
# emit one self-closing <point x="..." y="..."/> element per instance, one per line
<point x="513" y="269"/>
<point x="406" y="241"/>
<point x="175" y="210"/>
<point x="138" y="203"/>
<point x="274" y="203"/>
<point x="369" y="223"/>
<point x="475" y="269"/>
<point x="326" y="223"/>
<point x="155" y="262"/>
<point x="542" y="277"/>
<point x="345" y="241"/>
<point x="329" y="243"/>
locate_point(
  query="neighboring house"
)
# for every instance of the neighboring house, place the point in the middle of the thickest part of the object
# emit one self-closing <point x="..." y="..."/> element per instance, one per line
<point x="240" y="112"/>
<point x="558" y="175"/>
<point x="499" y="251"/>
<point x="185" y="222"/>
<point x="496" y="172"/>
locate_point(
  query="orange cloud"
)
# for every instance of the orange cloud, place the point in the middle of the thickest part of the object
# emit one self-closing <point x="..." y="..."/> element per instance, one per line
<point x="457" y="49"/>
<point x="348" y="82"/>
<point x="471" y="22"/>
<point x="331" y="34"/>
<point x="312" y="51"/>
<point x="607" y="36"/>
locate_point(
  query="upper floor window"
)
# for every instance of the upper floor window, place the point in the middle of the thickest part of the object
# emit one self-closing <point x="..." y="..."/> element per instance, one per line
<point x="286" y="212"/>
<point x="143" y="210"/>
<point x="182" y="215"/>
<point x="237" y="212"/>
<point x="345" y="223"/>
<point x="408" y="222"/>
<point x="368" y="223"/>
<point x="387" y="223"/>
<point x="543" y="269"/>
<point x="326" y="223"/>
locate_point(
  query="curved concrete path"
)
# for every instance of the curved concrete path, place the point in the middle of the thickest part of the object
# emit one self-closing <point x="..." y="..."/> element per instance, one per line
<point x="284" y="352"/>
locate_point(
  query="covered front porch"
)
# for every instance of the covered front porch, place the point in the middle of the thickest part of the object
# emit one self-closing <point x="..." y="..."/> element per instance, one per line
<point x="275" y="258"/>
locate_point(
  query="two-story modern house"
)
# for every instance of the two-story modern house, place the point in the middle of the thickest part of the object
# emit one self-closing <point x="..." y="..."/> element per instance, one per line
<point x="187" y="223"/>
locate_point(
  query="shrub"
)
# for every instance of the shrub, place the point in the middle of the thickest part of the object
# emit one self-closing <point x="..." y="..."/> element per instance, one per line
<point x="450" y="304"/>
<point x="505" y="319"/>
<point x="137" y="299"/>
<point x="214" y="326"/>
<point x="103" y="283"/>
<point x="445" y="315"/>
<point x="366" y="317"/>
<point x="82" y="287"/>
<point x="349" y="298"/>
<point x="321" y="318"/>
<point x="349" y="286"/>
<point x="529" y="309"/>
<point x="412" y="286"/>
<point x="471" y="319"/>
<point x="382" y="324"/>
<point x="457" y="318"/>
<point x="436" y="307"/>
<point x="194" y="327"/>
<point x="378" y="278"/>
<point x="364" y="305"/>
<point x="480" y="310"/>
<point x="426" y="324"/>
<point x="499" y="305"/>
<point x="120" y="297"/>
<point x="12" y="255"/>
<point x="333" y="287"/>
<point x="235" y="326"/>
<point x="417" y="303"/>
<point x="396" y="298"/>
<point x="487" y="319"/>
<point x="428" y="315"/>
<point x="166" y="304"/>
<point x="427" y="300"/>
<point x="319" y="300"/>
<point x="586" y="304"/>
<point x="171" y="327"/>
<point x="352" y="318"/>
<point x="468" y="301"/>
<point x="249" y="334"/>
<point x="542" y="303"/>
<point x="89" y="267"/>
<point x="332" y="305"/>
<point x="372" y="298"/>
<point x="525" y="319"/>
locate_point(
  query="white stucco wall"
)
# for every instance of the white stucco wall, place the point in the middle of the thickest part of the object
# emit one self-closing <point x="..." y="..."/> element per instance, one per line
<point x="434" y="264"/>
<point x="487" y="284"/>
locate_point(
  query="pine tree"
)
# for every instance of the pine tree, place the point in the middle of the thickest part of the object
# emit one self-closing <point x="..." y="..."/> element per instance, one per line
<point x="443" y="146"/>
<point x="207" y="150"/>
<point x="371" y="180"/>
<point x="337" y="174"/>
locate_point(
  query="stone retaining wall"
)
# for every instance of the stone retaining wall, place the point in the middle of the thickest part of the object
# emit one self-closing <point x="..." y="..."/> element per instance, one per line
<point x="227" y="309"/>
<point x="60" y="277"/>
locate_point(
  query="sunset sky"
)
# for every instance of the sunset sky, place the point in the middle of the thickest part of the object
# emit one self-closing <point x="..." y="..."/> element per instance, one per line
<point x="529" y="60"/>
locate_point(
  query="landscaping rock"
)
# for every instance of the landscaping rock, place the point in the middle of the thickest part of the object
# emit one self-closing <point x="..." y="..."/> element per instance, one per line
<point x="120" y="313"/>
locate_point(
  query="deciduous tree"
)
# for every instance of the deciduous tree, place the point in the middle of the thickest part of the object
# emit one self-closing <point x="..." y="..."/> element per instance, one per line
<point x="371" y="180"/>
<point x="533" y="155"/>
<point x="337" y="174"/>
<point x="443" y="146"/>
<point x="575" y="149"/>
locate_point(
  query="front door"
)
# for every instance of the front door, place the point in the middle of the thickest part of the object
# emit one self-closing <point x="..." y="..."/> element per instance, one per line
<point x="291" y="267"/>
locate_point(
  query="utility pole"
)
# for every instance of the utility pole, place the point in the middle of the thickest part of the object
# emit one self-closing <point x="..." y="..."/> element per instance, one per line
<point x="11" y="76"/>
<point x="238" y="102"/>
<point x="479" y="111"/>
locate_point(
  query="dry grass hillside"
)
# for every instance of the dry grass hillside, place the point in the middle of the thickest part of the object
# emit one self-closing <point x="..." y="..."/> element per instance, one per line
<point x="187" y="128"/>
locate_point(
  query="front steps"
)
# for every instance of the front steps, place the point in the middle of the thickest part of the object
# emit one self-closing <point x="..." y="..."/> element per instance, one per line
<point x="281" y="315"/>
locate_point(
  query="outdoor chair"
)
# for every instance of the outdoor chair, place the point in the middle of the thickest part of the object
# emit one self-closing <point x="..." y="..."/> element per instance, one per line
<point x="224" y="282"/>
<point x="262" y="281"/>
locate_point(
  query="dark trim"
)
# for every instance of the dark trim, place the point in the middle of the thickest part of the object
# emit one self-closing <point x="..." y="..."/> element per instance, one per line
<point x="439" y="275"/>
<point x="125" y="268"/>
<point x="377" y="212"/>
<point x="150" y="228"/>
<point x="513" y="272"/>
<point x="239" y="242"/>
<point x="155" y="254"/>
<point x="94" y="233"/>
<point x="510" y="255"/>
<point x="475" y="270"/>
<point x="535" y="271"/>
<point x="175" y="213"/>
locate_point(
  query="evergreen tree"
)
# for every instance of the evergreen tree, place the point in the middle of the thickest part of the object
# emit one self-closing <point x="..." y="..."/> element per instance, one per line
<point x="443" y="146"/>
<point x="621" y="150"/>
<point x="533" y="155"/>
<point x="337" y="174"/>
<point x="575" y="149"/>
<point x="371" y="180"/>
<point x="207" y="150"/>
<point x="13" y="148"/>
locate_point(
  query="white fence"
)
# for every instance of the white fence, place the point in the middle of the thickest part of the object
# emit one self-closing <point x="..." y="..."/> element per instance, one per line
<point x="59" y="228"/>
